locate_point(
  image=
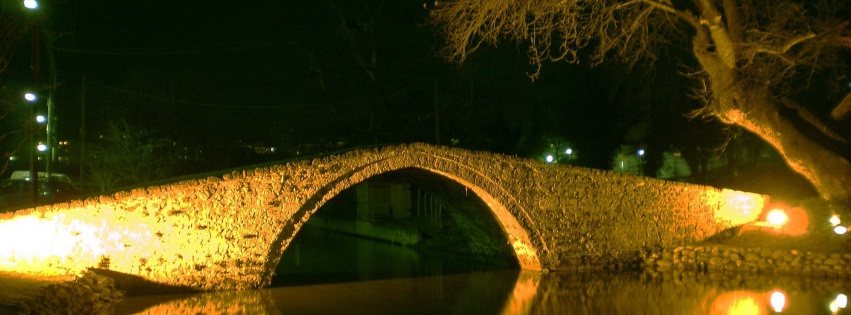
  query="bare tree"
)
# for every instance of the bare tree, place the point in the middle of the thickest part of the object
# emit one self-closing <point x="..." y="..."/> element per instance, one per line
<point x="754" y="60"/>
<point x="13" y="27"/>
<point x="127" y="155"/>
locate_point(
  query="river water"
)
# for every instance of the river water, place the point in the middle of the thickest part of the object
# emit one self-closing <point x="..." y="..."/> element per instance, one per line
<point x="329" y="273"/>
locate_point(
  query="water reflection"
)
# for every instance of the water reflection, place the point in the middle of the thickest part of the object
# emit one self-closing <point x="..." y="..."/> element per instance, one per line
<point x="515" y="292"/>
<point x="334" y="275"/>
<point x="319" y="256"/>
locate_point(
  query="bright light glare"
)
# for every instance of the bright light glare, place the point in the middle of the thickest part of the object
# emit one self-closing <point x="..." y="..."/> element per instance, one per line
<point x="777" y="217"/>
<point x="744" y="306"/>
<point x="840" y="230"/>
<point x="569" y="151"/>
<point x="45" y="240"/>
<point x="640" y="152"/>
<point x="834" y="220"/>
<point x="30" y="97"/>
<point x="778" y="301"/>
<point x="739" y="207"/>
<point x="841" y="300"/>
<point x="41" y="147"/>
<point x="40" y="119"/>
<point x="30" y="4"/>
<point x="550" y="158"/>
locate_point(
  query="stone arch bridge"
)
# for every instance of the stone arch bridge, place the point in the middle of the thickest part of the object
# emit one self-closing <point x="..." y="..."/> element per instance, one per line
<point x="229" y="231"/>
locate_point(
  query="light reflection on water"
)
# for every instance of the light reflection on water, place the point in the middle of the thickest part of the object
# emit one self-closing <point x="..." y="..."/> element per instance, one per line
<point x="513" y="292"/>
<point x="364" y="277"/>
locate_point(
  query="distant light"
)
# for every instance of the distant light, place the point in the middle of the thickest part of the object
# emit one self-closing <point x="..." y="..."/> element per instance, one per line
<point x="834" y="220"/>
<point x="30" y="97"/>
<point x="840" y="230"/>
<point x="778" y="301"/>
<point x="550" y="158"/>
<point x="40" y="119"/>
<point x="41" y="147"/>
<point x="640" y="152"/>
<point x="31" y="4"/>
<point x="273" y="149"/>
<point x="13" y="158"/>
<point x="777" y="217"/>
<point x="569" y="151"/>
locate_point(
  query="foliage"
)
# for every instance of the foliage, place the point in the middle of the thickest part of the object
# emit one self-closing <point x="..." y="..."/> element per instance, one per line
<point x="751" y="63"/>
<point x="127" y="155"/>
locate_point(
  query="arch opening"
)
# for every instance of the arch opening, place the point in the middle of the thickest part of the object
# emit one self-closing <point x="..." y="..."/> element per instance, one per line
<point x="403" y="223"/>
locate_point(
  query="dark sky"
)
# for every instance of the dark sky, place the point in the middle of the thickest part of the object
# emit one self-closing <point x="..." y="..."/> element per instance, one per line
<point x="285" y="73"/>
<point x="224" y="68"/>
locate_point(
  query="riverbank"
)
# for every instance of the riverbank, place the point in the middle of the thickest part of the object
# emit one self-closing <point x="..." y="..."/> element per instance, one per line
<point x="27" y="294"/>
<point x="757" y="250"/>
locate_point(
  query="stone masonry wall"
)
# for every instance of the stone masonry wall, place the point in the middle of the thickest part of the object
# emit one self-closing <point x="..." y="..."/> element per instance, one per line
<point x="228" y="231"/>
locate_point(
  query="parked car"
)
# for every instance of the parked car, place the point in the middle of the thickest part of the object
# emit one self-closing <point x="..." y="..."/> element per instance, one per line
<point x="17" y="193"/>
<point x="41" y="176"/>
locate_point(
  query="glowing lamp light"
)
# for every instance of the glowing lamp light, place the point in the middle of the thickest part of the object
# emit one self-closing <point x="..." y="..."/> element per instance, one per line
<point x="569" y="151"/>
<point x="30" y="97"/>
<point x="550" y="158"/>
<point x="31" y="4"/>
<point x="841" y="300"/>
<point x="40" y="119"/>
<point x="834" y="220"/>
<point x="640" y="152"/>
<point x="840" y="230"/>
<point x="41" y="147"/>
<point x="778" y="301"/>
<point x="777" y="217"/>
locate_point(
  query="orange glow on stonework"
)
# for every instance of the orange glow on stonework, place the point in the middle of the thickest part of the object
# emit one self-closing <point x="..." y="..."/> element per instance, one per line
<point x="737" y="208"/>
<point x="69" y="242"/>
<point x="44" y="245"/>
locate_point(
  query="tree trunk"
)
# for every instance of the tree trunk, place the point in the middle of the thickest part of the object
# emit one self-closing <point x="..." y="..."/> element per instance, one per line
<point x="829" y="172"/>
<point x="752" y="108"/>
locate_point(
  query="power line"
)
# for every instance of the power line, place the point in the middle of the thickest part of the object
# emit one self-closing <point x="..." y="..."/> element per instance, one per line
<point x="224" y="106"/>
<point x="165" y="51"/>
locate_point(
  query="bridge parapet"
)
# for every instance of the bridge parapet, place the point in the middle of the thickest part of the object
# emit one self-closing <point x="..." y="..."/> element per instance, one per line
<point x="229" y="231"/>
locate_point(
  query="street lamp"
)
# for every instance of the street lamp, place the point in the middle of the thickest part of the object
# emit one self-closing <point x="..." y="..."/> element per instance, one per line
<point x="32" y="98"/>
<point x="49" y="126"/>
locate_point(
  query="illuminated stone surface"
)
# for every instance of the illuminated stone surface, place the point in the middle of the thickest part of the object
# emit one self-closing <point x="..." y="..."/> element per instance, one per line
<point x="229" y="231"/>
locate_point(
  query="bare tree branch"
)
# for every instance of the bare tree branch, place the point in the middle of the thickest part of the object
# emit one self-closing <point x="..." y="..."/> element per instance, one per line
<point x="811" y="119"/>
<point x="741" y="75"/>
<point x="842" y="110"/>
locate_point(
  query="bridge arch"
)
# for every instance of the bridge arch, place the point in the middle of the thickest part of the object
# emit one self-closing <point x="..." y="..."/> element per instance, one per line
<point x="517" y="234"/>
<point x="228" y="230"/>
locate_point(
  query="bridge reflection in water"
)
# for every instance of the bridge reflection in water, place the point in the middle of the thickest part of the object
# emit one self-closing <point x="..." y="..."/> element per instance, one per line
<point x="388" y="279"/>
<point x="511" y="292"/>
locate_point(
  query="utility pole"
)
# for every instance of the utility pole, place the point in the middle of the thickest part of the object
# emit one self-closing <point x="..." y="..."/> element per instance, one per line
<point x="83" y="132"/>
<point x="436" y="116"/>
<point x="51" y="117"/>
<point x="34" y="62"/>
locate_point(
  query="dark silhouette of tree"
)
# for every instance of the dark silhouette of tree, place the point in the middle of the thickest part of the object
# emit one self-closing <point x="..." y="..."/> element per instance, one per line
<point x="14" y="25"/>
<point x="125" y="155"/>
<point x="774" y="67"/>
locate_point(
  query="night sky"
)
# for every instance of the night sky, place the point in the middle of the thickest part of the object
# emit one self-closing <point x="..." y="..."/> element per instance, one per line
<point x="227" y="71"/>
<point x="218" y="74"/>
